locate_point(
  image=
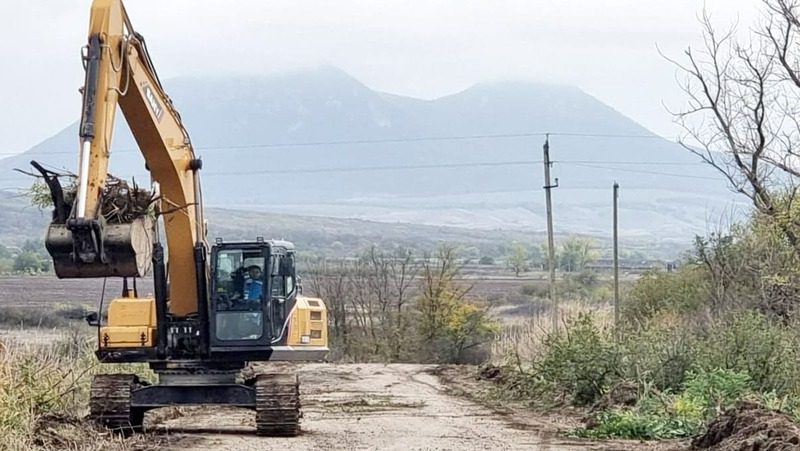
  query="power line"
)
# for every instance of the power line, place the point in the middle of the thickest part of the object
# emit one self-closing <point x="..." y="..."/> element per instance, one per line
<point x="379" y="168"/>
<point x="639" y="171"/>
<point x="359" y="168"/>
<point x="392" y="140"/>
<point x="596" y="164"/>
<point x="642" y="163"/>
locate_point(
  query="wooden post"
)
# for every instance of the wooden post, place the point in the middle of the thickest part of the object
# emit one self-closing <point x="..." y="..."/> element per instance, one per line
<point x="551" y="259"/>
<point x="616" y="255"/>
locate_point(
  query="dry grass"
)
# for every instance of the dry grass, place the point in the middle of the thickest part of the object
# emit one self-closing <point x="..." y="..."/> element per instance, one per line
<point x="58" y="316"/>
<point x="521" y="341"/>
<point x="44" y="392"/>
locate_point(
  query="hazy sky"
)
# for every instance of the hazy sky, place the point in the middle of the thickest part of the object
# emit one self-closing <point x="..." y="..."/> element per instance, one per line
<point x="421" y="48"/>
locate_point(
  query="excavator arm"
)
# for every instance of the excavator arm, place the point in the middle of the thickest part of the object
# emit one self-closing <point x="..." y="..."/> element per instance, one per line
<point x="119" y="71"/>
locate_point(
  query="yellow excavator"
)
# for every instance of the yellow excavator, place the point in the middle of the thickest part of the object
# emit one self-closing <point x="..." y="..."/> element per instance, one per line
<point x="213" y="308"/>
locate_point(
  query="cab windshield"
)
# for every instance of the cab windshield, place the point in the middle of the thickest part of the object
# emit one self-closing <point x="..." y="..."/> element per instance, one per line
<point x="239" y="292"/>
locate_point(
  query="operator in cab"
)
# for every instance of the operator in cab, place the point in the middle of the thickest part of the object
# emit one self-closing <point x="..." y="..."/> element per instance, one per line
<point x="254" y="285"/>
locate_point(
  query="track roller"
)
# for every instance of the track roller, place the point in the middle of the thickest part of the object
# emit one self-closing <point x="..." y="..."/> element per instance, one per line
<point x="277" y="405"/>
<point x="110" y="403"/>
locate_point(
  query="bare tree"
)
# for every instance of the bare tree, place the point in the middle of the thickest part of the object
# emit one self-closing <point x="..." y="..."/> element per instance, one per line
<point x="368" y="302"/>
<point x="743" y="105"/>
<point x="403" y="272"/>
<point x="329" y="281"/>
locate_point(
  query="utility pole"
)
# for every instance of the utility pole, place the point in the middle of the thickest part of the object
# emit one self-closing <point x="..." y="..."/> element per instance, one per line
<point x="551" y="258"/>
<point x="616" y="255"/>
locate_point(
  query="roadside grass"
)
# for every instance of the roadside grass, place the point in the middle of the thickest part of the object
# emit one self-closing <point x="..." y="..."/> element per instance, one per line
<point x="44" y="391"/>
<point x="685" y="373"/>
<point x="521" y="342"/>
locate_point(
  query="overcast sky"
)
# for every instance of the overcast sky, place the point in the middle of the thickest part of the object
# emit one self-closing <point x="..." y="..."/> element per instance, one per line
<point x="421" y="48"/>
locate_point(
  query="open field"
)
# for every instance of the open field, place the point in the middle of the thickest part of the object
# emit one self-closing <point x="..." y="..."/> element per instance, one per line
<point x="46" y="291"/>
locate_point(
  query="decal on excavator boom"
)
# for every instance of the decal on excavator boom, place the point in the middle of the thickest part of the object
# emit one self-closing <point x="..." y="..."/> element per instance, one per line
<point x="152" y="100"/>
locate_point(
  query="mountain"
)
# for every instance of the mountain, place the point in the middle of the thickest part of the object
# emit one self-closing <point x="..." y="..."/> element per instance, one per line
<point x="293" y="143"/>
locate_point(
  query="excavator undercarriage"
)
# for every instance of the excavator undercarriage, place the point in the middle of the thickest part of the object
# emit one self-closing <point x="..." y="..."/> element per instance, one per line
<point x="119" y="401"/>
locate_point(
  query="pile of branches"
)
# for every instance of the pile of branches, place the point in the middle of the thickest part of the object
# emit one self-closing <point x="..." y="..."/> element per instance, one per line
<point x="122" y="202"/>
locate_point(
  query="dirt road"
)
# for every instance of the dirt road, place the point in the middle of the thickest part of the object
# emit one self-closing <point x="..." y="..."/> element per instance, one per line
<point x="367" y="407"/>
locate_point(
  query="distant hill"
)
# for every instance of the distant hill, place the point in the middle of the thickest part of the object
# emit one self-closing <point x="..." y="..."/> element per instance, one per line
<point x="335" y="237"/>
<point x="239" y="124"/>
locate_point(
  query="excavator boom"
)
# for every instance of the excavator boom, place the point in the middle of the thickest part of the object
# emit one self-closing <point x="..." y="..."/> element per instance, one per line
<point x="119" y="71"/>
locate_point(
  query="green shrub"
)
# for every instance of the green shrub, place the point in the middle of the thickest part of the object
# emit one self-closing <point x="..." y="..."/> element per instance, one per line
<point x="661" y="415"/>
<point x="630" y="424"/>
<point x="534" y="290"/>
<point x="583" y="285"/>
<point x="716" y="389"/>
<point x="657" y="292"/>
<point x="657" y="354"/>
<point x="749" y="342"/>
<point x="579" y="362"/>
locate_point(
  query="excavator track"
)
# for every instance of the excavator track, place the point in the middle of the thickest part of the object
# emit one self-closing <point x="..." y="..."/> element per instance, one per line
<point x="277" y="405"/>
<point x="110" y="402"/>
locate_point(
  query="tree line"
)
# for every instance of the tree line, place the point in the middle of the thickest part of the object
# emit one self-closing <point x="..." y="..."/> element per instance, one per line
<point x="31" y="257"/>
<point x="396" y="306"/>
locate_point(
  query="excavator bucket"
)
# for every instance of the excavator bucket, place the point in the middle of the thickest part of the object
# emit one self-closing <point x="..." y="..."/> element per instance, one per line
<point x="83" y="249"/>
<point x="117" y="244"/>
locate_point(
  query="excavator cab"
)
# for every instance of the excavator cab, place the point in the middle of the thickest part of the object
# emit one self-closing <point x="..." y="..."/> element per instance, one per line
<point x="253" y="290"/>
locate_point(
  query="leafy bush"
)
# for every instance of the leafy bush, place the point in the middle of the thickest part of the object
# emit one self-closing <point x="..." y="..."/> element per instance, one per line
<point x="662" y="415"/>
<point x="657" y="292"/>
<point x="583" y="286"/>
<point x="30" y="262"/>
<point x="629" y="424"/>
<point x="579" y="362"/>
<point x="751" y="343"/>
<point x="657" y="353"/>
<point x="716" y="389"/>
<point x="537" y="290"/>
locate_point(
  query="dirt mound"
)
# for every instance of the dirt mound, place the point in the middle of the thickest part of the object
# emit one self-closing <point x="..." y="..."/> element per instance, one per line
<point x="750" y="427"/>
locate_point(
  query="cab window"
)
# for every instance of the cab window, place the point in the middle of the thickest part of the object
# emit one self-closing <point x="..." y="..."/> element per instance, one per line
<point x="239" y="289"/>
